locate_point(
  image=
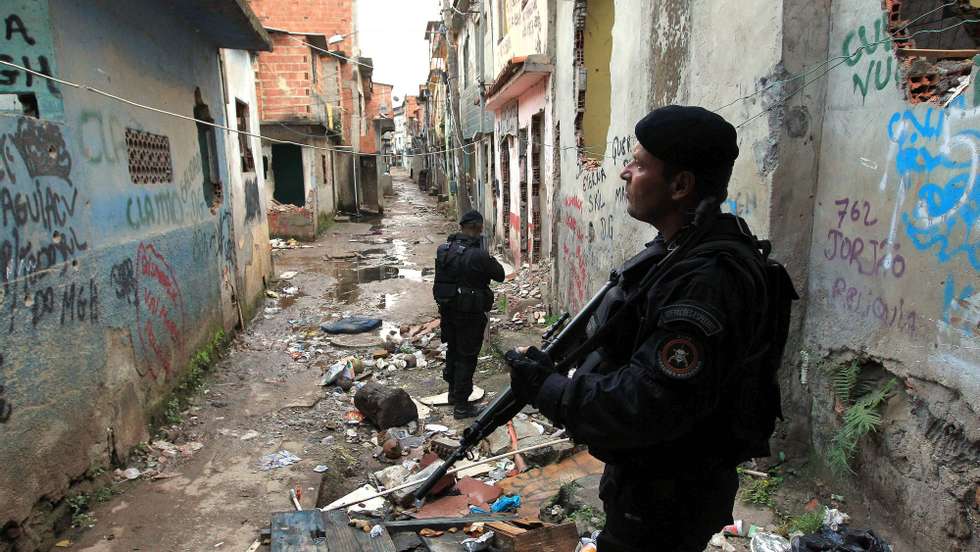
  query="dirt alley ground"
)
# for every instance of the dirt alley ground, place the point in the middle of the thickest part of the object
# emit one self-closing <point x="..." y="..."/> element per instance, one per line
<point x="259" y="400"/>
<point x="219" y="499"/>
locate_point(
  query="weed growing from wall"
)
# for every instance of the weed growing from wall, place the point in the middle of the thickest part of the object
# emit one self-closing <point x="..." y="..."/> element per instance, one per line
<point x="761" y="491"/>
<point x="193" y="378"/>
<point x="861" y="416"/>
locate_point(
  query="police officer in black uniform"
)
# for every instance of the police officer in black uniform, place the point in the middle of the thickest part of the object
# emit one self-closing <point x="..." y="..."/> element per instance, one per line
<point x="462" y="290"/>
<point x="680" y="386"/>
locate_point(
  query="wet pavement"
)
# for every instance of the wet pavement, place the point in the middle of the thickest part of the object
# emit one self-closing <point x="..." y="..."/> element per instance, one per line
<point x="265" y="395"/>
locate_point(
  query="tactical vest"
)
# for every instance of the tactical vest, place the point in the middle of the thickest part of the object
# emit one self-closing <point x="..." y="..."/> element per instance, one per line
<point x="450" y="289"/>
<point x="749" y="415"/>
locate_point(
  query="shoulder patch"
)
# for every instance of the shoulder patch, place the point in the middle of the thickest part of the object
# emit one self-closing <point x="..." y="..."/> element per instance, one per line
<point x="679" y="357"/>
<point x="693" y="314"/>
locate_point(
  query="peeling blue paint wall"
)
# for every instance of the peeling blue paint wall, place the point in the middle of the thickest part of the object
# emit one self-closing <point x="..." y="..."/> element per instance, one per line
<point x="110" y="280"/>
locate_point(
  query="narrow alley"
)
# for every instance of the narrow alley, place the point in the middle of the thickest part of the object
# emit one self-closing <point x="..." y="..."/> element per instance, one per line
<point x="255" y="254"/>
<point x="212" y="494"/>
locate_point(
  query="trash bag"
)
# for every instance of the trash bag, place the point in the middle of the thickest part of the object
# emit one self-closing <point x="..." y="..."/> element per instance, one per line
<point x="843" y="540"/>
<point x="351" y="325"/>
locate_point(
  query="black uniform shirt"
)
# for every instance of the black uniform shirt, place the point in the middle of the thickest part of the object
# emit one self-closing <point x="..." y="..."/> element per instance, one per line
<point x="659" y="388"/>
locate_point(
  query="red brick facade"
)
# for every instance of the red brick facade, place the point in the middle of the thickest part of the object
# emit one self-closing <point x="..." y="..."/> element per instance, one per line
<point x="380" y="96"/>
<point x="284" y="77"/>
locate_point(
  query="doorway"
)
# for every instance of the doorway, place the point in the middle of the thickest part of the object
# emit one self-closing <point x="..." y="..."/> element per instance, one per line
<point x="287" y="167"/>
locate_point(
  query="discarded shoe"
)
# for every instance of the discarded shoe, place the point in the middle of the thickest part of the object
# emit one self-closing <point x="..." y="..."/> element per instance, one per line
<point x="466" y="411"/>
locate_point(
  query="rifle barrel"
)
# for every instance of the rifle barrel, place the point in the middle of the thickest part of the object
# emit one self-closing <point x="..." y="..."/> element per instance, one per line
<point x="506" y="405"/>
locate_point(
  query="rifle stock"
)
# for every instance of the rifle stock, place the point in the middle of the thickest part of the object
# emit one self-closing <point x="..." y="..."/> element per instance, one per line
<point x="506" y="405"/>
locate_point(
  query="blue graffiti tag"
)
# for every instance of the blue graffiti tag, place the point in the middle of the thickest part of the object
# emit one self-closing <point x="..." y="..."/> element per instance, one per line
<point x="945" y="215"/>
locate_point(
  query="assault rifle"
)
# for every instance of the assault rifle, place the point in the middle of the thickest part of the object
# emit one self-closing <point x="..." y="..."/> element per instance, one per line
<point x="507" y="405"/>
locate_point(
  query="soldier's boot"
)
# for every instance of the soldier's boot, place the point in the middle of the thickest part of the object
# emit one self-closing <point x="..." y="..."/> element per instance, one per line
<point x="466" y="410"/>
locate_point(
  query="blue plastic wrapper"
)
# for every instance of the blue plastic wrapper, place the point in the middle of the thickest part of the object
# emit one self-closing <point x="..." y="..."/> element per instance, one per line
<point x="506" y="504"/>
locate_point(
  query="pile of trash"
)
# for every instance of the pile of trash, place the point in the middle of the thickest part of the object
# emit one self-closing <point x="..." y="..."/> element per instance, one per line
<point x="519" y="300"/>
<point x="291" y="243"/>
<point x="833" y="536"/>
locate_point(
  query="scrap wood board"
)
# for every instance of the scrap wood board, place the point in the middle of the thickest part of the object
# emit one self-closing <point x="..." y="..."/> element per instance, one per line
<point x="508" y="537"/>
<point x="443" y="399"/>
<point x="316" y="531"/>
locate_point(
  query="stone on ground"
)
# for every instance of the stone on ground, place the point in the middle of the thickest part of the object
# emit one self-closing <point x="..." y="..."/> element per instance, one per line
<point x="386" y="407"/>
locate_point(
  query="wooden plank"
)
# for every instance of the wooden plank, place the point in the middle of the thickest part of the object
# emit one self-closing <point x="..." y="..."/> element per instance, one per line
<point x="554" y="538"/>
<point x="937" y="54"/>
<point x="443" y="522"/>
<point x="381" y="543"/>
<point x="298" y="532"/>
<point x="340" y="535"/>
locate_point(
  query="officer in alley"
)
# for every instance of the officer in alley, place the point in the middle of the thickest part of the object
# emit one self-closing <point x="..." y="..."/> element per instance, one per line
<point x="462" y="291"/>
<point x="677" y="383"/>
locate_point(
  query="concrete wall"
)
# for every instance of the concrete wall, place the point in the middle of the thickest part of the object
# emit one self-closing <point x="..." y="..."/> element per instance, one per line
<point x="870" y="199"/>
<point x="894" y="266"/>
<point x="526" y="30"/>
<point x="247" y="189"/>
<point x="110" y="285"/>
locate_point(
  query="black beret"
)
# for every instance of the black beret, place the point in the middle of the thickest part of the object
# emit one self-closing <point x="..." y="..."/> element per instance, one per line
<point x="472" y="217"/>
<point x="689" y="137"/>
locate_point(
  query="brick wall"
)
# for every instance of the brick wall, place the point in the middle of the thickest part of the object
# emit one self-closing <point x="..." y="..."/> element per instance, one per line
<point x="284" y="88"/>
<point x="380" y="95"/>
<point x="284" y="80"/>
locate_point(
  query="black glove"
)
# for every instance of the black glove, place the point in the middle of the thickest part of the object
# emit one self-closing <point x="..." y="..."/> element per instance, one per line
<point x="528" y="372"/>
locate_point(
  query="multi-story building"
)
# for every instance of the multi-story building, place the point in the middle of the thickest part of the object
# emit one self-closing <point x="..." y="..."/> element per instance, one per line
<point x="311" y="89"/>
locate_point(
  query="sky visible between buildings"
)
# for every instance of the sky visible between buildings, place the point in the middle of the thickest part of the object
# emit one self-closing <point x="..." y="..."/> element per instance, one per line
<point x="392" y="34"/>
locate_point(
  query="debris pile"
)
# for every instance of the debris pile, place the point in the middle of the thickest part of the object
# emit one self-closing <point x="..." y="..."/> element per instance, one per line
<point x="519" y="300"/>
<point x="291" y="243"/>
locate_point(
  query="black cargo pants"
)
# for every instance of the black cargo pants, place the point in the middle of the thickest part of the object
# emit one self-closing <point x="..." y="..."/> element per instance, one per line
<point x="647" y="513"/>
<point x="463" y="333"/>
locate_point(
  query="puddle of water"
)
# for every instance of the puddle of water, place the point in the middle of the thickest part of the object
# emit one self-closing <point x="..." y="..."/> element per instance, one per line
<point x="350" y="275"/>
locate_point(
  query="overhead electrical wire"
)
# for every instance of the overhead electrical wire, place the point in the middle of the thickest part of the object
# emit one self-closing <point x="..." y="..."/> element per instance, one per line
<point x="133" y="103"/>
<point x="817" y="67"/>
<point x="63" y="265"/>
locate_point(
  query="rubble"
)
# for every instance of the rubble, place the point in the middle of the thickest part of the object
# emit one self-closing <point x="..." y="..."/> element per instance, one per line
<point x="385" y="406"/>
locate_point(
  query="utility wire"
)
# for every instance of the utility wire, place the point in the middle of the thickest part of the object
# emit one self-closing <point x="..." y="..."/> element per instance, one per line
<point x="328" y="52"/>
<point x="289" y="142"/>
<point x="188" y="117"/>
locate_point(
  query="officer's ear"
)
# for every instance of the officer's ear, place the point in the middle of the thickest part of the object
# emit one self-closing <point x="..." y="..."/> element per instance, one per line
<point x="682" y="187"/>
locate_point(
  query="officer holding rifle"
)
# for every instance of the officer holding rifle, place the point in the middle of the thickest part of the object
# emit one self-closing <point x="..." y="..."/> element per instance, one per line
<point x="679" y="386"/>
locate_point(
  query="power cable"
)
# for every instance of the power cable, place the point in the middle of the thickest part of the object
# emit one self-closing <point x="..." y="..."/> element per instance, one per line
<point x="133" y="103"/>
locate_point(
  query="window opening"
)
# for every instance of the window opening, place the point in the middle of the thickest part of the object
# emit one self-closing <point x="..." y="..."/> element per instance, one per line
<point x="522" y="210"/>
<point x="505" y="186"/>
<point x="207" y="143"/>
<point x="503" y="25"/>
<point x="244" y="140"/>
<point x="934" y="65"/>
<point x="593" y="85"/>
<point x="466" y="62"/>
<point x="20" y="104"/>
<point x="149" y="157"/>
<point x="535" y="222"/>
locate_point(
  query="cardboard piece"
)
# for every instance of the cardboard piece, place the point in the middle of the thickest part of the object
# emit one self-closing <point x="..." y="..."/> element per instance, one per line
<point x="443" y="398"/>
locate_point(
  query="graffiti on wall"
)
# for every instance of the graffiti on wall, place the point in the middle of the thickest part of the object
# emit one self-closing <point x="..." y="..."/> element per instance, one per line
<point x="858" y="244"/>
<point x="40" y="244"/>
<point x="160" y="315"/>
<point x="868" y="51"/>
<point x="252" y="207"/>
<point x="102" y="138"/>
<point x="945" y="213"/>
<point x="180" y="204"/>
<point x="26" y="41"/>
